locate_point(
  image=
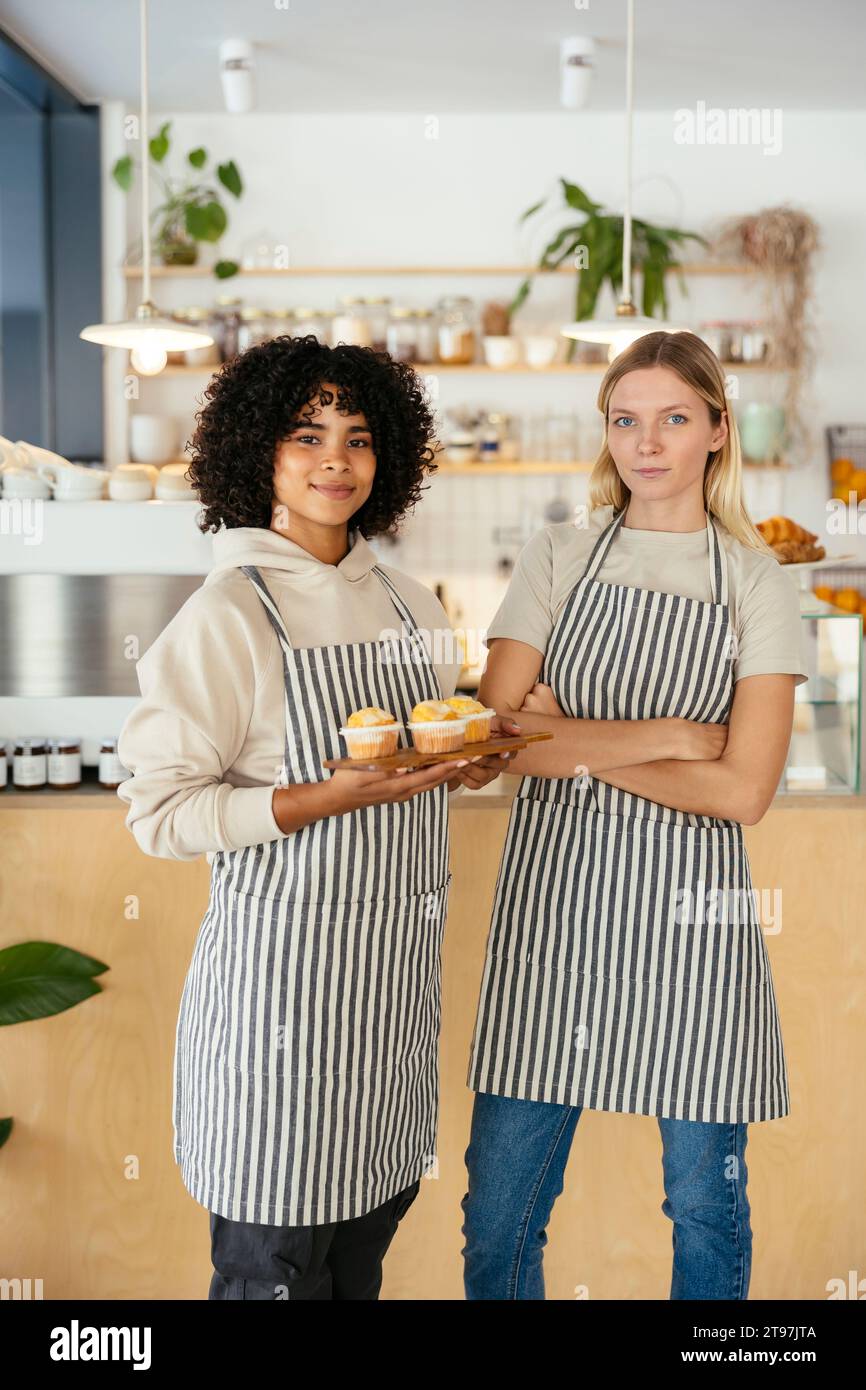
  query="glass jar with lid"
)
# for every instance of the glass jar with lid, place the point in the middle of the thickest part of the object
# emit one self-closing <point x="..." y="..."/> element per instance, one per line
<point x="351" y="323"/>
<point x="425" y="335"/>
<point x="712" y="332"/>
<point x="307" y="321"/>
<point x="255" y="327"/>
<point x="756" y="344"/>
<point x="378" y="314"/>
<point x="507" y="433"/>
<point x="227" y="321"/>
<point x="457" y="332"/>
<point x="197" y="316"/>
<point x="280" y="323"/>
<point x="111" y="769"/>
<point x="29" y="762"/>
<point x="401" y="339"/>
<point x="64" y="762"/>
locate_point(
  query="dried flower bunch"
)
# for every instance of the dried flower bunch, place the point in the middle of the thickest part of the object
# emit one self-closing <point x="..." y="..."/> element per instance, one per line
<point x="782" y="242"/>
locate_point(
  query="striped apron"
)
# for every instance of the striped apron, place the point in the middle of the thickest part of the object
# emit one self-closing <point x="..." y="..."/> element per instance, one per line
<point x="618" y="976"/>
<point x="306" y="1059"/>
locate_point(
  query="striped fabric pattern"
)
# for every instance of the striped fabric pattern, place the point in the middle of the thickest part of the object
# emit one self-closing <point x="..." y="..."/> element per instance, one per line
<point x="626" y="966"/>
<point x="306" y="1061"/>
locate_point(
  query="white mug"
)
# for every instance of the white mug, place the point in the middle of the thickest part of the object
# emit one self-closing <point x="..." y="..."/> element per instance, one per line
<point x="71" y="483"/>
<point x="540" y="351"/>
<point x="132" y="482"/>
<point x="153" y="438"/>
<point x="501" y="351"/>
<point x="24" y="482"/>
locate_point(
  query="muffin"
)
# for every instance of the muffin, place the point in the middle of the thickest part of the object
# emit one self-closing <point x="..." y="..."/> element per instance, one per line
<point x="371" y="733"/>
<point x="477" y="716"/>
<point x="436" y="727"/>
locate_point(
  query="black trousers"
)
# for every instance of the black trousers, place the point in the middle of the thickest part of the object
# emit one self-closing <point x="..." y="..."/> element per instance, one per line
<point x="341" y="1260"/>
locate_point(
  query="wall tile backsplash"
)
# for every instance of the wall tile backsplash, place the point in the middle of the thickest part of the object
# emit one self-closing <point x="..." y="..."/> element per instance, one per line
<point x="467" y="531"/>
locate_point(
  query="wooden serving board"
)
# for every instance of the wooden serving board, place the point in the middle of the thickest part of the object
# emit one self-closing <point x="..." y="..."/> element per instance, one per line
<point x="410" y="757"/>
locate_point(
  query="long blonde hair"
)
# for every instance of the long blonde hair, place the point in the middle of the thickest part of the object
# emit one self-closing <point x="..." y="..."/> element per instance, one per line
<point x="697" y="365"/>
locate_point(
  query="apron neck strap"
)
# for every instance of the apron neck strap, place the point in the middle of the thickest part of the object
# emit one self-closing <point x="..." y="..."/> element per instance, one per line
<point x="718" y="563"/>
<point x="717" y="556"/>
<point x="252" y="573"/>
<point x="271" y="608"/>
<point x="602" y="545"/>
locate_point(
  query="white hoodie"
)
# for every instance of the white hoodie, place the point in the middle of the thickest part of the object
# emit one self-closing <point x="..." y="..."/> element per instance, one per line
<point x="206" y="741"/>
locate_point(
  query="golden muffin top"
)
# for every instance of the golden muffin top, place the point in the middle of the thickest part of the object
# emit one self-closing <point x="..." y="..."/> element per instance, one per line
<point x="429" y="710"/>
<point x="372" y="715"/>
<point x="464" y="704"/>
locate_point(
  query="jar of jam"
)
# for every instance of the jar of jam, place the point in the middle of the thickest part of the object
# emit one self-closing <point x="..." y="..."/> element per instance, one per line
<point x="111" y="769"/>
<point x="29" y="763"/>
<point x="64" y="762"/>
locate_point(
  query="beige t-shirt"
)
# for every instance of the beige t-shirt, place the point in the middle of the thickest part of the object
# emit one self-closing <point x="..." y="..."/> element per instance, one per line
<point x="765" y="608"/>
<point x="206" y="741"/>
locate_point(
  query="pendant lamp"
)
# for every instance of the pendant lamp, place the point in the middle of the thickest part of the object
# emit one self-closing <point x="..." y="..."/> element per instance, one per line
<point x="149" y="335"/>
<point x="628" y="324"/>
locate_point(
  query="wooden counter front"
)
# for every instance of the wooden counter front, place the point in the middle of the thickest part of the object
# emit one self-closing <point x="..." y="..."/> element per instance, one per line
<point x="94" y="1204"/>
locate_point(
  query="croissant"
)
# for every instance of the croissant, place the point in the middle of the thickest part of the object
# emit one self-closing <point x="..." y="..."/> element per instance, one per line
<point x="782" y="528"/>
<point x="797" y="552"/>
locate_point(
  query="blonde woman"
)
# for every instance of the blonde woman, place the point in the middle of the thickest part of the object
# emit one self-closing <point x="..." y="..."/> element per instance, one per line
<point x="626" y="968"/>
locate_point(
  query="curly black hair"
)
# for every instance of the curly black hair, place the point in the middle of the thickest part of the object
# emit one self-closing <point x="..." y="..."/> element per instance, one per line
<point x="253" y="401"/>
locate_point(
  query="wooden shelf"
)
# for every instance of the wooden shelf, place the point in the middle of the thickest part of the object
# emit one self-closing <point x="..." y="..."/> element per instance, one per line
<point x="435" y="368"/>
<point x="133" y="272"/>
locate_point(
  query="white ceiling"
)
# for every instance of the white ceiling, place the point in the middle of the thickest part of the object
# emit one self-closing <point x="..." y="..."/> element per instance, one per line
<point x="454" y="55"/>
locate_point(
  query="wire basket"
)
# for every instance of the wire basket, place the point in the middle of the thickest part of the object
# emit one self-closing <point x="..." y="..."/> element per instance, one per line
<point x="846" y="442"/>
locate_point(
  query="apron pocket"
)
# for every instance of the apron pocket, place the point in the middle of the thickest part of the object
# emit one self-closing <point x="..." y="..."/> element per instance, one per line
<point x="327" y="990"/>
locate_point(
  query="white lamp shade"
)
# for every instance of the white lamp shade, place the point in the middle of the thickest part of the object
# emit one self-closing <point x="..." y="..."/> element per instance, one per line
<point x="617" y="333"/>
<point x="152" y="332"/>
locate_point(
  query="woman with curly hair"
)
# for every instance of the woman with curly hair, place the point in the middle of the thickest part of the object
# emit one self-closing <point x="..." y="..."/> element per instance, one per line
<point x="305" y="1078"/>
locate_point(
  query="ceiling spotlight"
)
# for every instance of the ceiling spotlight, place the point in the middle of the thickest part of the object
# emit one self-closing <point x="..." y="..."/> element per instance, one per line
<point x="237" y="66"/>
<point x="576" y="66"/>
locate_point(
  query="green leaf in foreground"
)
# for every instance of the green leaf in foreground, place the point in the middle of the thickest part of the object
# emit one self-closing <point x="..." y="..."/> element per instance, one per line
<point x="41" y="978"/>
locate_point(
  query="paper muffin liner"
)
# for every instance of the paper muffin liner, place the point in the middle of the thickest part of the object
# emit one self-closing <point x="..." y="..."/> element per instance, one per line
<point x="478" y="725"/>
<point x="438" y="735"/>
<point x="371" y="740"/>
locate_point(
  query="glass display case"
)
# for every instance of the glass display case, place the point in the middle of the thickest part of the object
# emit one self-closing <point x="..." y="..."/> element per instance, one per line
<point x="825" y="752"/>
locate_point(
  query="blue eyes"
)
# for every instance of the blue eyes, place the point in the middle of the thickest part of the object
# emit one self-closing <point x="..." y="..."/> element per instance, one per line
<point x="622" y="419"/>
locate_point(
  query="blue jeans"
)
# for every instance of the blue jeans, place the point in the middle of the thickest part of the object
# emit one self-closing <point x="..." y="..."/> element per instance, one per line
<point x="516" y="1161"/>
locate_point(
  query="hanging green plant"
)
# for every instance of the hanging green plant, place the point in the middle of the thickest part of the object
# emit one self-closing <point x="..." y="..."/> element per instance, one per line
<point x="192" y="210"/>
<point x="594" y="246"/>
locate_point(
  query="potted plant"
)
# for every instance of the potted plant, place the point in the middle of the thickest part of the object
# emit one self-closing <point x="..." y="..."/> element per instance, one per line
<point x="595" y="246"/>
<point x="192" y="209"/>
